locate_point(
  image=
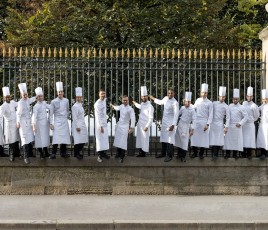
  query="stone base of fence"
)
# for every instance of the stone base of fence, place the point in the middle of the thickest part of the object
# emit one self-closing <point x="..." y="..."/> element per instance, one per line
<point x="135" y="176"/>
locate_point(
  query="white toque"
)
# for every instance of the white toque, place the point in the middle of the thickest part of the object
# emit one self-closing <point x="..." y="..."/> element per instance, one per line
<point x="250" y="91"/>
<point x="204" y="87"/>
<point x="222" y="91"/>
<point x="5" y="91"/>
<point x="144" y="91"/>
<point x="59" y="86"/>
<point x="188" y="96"/>
<point x="38" y="91"/>
<point x="78" y="92"/>
<point x="22" y="87"/>
<point x="236" y="93"/>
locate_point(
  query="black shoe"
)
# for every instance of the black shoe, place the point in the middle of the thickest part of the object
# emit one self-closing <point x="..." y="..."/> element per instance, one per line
<point x="159" y="156"/>
<point x="140" y="155"/>
<point x="42" y="156"/>
<point x="201" y="157"/>
<point x="104" y="155"/>
<point x="52" y="156"/>
<point x="27" y="161"/>
<point x="193" y="155"/>
<point x="235" y="156"/>
<point x="11" y="158"/>
<point x="226" y="156"/>
<point x="47" y="154"/>
<point x="167" y="159"/>
<point x="249" y="157"/>
<point x="183" y="159"/>
<point x="79" y="156"/>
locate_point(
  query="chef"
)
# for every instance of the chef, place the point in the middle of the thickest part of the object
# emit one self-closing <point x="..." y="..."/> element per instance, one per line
<point x="123" y="128"/>
<point x="249" y="129"/>
<point x="11" y="132"/>
<point x="24" y="123"/>
<point x="204" y="116"/>
<point x="101" y="131"/>
<point x="59" y="113"/>
<point x="217" y="127"/>
<point x="234" y="137"/>
<point x="146" y="117"/>
<point x="40" y="124"/>
<point x="185" y="127"/>
<point x="79" y="128"/>
<point x="169" y="122"/>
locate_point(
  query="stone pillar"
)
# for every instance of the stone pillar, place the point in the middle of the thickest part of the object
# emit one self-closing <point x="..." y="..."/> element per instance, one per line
<point x="263" y="35"/>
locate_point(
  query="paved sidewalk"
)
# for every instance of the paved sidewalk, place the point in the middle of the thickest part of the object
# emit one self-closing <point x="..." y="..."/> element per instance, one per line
<point x="103" y="212"/>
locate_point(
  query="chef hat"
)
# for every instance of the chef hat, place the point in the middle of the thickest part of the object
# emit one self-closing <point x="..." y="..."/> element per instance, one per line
<point x="38" y="91"/>
<point x="264" y="94"/>
<point x="23" y="88"/>
<point x="59" y="86"/>
<point x="78" y="92"/>
<point x="5" y="91"/>
<point x="222" y="91"/>
<point x="236" y="93"/>
<point x="250" y="91"/>
<point x="188" y="96"/>
<point x="204" y="87"/>
<point x="144" y="91"/>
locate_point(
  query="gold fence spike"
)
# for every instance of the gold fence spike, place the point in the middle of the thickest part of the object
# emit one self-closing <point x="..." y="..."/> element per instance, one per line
<point x="21" y="52"/>
<point x="60" y="52"/>
<point x="201" y="54"/>
<point x="145" y="53"/>
<point x="9" y="52"/>
<point x="156" y="53"/>
<point x="83" y="53"/>
<point x="173" y="53"/>
<point x="77" y="53"/>
<point x="211" y="54"/>
<point x="250" y="54"/>
<point x="206" y="54"/>
<point x="123" y="53"/>
<point x="260" y="55"/>
<point x="245" y="54"/>
<point x="100" y="53"/>
<point x="233" y="54"/>
<point x="167" y="52"/>
<point x="43" y="52"/>
<point x="134" y="53"/>
<point x="94" y="53"/>
<point x="139" y="53"/>
<point x="239" y="54"/>
<point x="217" y="54"/>
<point x="184" y="53"/>
<point x="190" y="54"/>
<point x="72" y="53"/>
<point x="4" y="52"/>
<point x="111" y="53"/>
<point x="162" y="53"/>
<point x="117" y="53"/>
<point x="105" y="53"/>
<point x="32" y="52"/>
<point x="37" y="52"/>
<point x="55" y="52"/>
<point x="88" y="53"/>
<point x="66" y="53"/>
<point x="228" y="54"/>
<point x="255" y="55"/>
<point x="195" y="54"/>
<point x="128" y="53"/>
<point x="15" y="52"/>
<point x="222" y="54"/>
<point x="151" y="53"/>
<point x="179" y="54"/>
<point x="49" y="52"/>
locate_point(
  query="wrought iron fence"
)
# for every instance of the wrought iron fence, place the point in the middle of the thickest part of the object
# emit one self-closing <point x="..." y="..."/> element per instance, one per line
<point x="121" y="72"/>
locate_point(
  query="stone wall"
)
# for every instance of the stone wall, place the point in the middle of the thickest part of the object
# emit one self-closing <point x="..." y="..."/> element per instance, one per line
<point x="134" y="176"/>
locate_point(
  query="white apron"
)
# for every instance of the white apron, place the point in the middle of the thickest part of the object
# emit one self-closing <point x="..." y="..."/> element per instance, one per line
<point x="121" y="136"/>
<point x="42" y="138"/>
<point x="26" y="131"/>
<point x="262" y="137"/>
<point x="182" y="136"/>
<point x="233" y="138"/>
<point x="142" y="139"/>
<point x="249" y="135"/>
<point x="216" y="135"/>
<point x="79" y="122"/>
<point x="102" y="141"/>
<point x="1" y="136"/>
<point x="200" y="137"/>
<point x="61" y="132"/>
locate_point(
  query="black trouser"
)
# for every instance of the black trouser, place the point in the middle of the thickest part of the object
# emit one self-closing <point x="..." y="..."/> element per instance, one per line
<point x="167" y="149"/>
<point x="2" y="150"/>
<point x="121" y="153"/>
<point x="28" y="150"/>
<point x="78" y="148"/>
<point x="228" y="153"/>
<point x="215" y="150"/>
<point x="43" y="151"/>
<point x="141" y="152"/>
<point x="15" y="149"/>
<point x="263" y="152"/>
<point x="247" y="152"/>
<point x="201" y="152"/>
<point x="62" y="149"/>
<point x="181" y="153"/>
